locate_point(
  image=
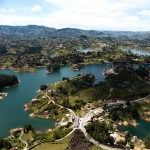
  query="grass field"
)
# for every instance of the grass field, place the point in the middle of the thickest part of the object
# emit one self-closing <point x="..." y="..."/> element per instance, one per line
<point x="61" y="145"/>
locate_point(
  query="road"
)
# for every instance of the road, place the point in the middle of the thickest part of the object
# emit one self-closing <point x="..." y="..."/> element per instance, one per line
<point x="140" y="99"/>
<point x="79" y="123"/>
<point x="82" y="128"/>
<point x="70" y="110"/>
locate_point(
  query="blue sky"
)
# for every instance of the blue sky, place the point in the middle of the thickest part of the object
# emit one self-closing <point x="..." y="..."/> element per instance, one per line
<point x="128" y="15"/>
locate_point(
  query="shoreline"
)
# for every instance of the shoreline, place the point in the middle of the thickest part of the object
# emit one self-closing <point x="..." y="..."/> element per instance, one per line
<point x="128" y="123"/>
<point x="3" y="95"/>
<point x="33" y="71"/>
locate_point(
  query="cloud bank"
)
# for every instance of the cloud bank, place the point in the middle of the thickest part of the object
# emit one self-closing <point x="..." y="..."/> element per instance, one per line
<point x="87" y="14"/>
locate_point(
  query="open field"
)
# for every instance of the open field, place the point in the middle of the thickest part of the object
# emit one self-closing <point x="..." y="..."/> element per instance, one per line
<point x="61" y="145"/>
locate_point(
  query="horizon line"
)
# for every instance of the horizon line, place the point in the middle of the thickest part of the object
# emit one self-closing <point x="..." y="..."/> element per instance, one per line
<point x="101" y="30"/>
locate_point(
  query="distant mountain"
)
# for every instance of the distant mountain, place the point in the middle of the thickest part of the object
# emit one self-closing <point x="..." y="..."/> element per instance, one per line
<point x="34" y="31"/>
<point x="41" y="31"/>
<point x="26" y="31"/>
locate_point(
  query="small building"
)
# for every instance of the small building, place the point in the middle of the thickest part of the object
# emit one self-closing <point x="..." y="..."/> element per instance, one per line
<point x="98" y="111"/>
<point x="117" y="104"/>
<point x="34" y="100"/>
<point x="67" y="115"/>
<point x="117" y="137"/>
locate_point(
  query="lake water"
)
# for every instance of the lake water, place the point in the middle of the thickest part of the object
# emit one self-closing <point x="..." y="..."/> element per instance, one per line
<point x="12" y="114"/>
<point x="138" y="52"/>
<point x="85" y="50"/>
<point x="141" y="130"/>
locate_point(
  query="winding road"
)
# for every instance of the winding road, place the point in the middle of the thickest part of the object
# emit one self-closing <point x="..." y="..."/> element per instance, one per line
<point x="82" y="128"/>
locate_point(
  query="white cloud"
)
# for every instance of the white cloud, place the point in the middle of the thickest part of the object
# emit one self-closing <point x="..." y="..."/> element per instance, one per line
<point x="145" y="12"/>
<point x="88" y="14"/>
<point x="17" y="20"/>
<point x="36" y="8"/>
<point x="11" y="10"/>
<point x="96" y="14"/>
<point x="2" y="10"/>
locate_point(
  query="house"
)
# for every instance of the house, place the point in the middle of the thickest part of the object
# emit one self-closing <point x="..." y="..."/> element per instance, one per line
<point x="34" y="100"/>
<point x="117" y="104"/>
<point x="117" y="137"/>
<point x="98" y="111"/>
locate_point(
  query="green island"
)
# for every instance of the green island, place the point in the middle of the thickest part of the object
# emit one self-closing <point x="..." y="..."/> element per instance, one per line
<point x="7" y="81"/>
<point x="87" y="112"/>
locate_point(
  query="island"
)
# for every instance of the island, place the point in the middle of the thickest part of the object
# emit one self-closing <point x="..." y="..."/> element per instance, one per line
<point x="7" y="81"/>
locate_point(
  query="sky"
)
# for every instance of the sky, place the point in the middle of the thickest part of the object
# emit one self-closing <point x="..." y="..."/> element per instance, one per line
<point x="120" y="15"/>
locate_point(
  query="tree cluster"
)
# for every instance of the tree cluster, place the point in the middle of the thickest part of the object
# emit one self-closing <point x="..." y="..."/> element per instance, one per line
<point x="7" y="80"/>
<point x="100" y="132"/>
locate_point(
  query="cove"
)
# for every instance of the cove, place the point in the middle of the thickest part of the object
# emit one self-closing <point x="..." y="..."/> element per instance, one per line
<point x="12" y="114"/>
<point x="141" y="130"/>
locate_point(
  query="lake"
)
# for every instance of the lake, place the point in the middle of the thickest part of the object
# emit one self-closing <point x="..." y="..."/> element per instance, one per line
<point x="85" y="50"/>
<point x="11" y="108"/>
<point x="141" y="130"/>
<point x="138" y="52"/>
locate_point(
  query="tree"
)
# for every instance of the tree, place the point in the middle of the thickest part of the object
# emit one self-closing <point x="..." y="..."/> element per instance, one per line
<point x="128" y="137"/>
<point x="147" y="141"/>
<point x="131" y="145"/>
<point x="53" y="67"/>
<point x="4" y="144"/>
<point x="27" y="128"/>
<point x="43" y="87"/>
<point x="8" y="80"/>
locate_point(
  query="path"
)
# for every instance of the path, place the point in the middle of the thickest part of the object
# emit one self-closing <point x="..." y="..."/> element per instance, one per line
<point x="66" y="135"/>
<point x="140" y="99"/>
<point x="81" y="124"/>
<point x="83" y="120"/>
<point x="25" y="142"/>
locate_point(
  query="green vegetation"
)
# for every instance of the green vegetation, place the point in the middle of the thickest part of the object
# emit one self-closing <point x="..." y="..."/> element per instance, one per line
<point x="143" y="108"/>
<point x="62" y="144"/>
<point x="147" y="141"/>
<point x="43" y="108"/>
<point x="4" y="144"/>
<point x="76" y="67"/>
<point x="8" y="80"/>
<point x="14" y="140"/>
<point x="53" y="67"/>
<point x="65" y="91"/>
<point x="23" y="50"/>
<point x="27" y="128"/>
<point x="123" y="114"/>
<point x="100" y="132"/>
<point x="29" y="47"/>
<point x="43" y="87"/>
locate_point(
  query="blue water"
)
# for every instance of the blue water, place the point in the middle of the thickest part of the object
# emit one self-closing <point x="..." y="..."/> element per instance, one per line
<point x="138" y="52"/>
<point x="12" y="114"/>
<point x="141" y="130"/>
